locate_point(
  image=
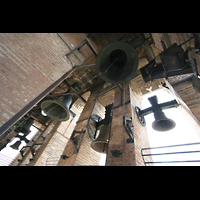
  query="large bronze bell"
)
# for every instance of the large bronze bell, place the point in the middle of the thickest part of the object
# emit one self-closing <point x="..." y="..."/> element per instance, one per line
<point x="57" y="109"/>
<point x="162" y="123"/>
<point x="117" y="62"/>
<point x="101" y="143"/>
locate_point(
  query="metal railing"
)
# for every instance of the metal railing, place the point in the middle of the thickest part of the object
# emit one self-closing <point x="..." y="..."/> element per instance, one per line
<point x="5" y="160"/>
<point x="162" y="155"/>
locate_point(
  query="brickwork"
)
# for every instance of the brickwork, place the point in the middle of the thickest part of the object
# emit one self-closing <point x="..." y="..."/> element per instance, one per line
<point x="38" y="138"/>
<point x="29" y="63"/>
<point x="129" y="153"/>
<point x="185" y="90"/>
<point x="54" y="149"/>
<point x="86" y="155"/>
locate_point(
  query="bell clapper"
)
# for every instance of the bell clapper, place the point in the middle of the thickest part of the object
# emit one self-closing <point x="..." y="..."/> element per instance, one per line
<point x="106" y="70"/>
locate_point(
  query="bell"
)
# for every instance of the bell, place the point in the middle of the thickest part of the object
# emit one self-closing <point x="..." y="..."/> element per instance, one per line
<point x="162" y="123"/>
<point x="16" y="145"/>
<point x="196" y="83"/>
<point x="57" y="109"/>
<point x="25" y="129"/>
<point x="101" y="143"/>
<point x="117" y="62"/>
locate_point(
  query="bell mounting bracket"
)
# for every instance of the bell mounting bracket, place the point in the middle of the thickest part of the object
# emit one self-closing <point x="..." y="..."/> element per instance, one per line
<point x="127" y="126"/>
<point x="95" y="122"/>
<point x="75" y="139"/>
<point x="166" y="105"/>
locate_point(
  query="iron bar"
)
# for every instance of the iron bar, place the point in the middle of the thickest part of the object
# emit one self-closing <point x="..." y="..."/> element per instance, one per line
<point x="170" y="153"/>
<point x="173" y="161"/>
<point x="86" y="41"/>
<point x="69" y="45"/>
<point x="76" y="48"/>
<point x="86" y="65"/>
<point x="56" y="95"/>
<point x="186" y="41"/>
<point x="91" y="46"/>
<point x="171" y="146"/>
<point x="166" y="105"/>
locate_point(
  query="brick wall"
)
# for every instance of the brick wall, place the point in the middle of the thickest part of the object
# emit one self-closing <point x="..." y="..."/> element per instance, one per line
<point x="86" y="155"/>
<point x="29" y="63"/>
<point x="129" y="153"/>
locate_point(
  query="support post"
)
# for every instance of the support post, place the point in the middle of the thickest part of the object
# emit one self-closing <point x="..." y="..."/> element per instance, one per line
<point x="86" y="155"/>
<point x="122" y="152"/>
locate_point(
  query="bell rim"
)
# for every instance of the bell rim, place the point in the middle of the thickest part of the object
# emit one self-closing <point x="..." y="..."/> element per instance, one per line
<point x="122" y="46"/>
<point x="60" y="104"/>
<point x="106" y="142"/>
<point x="173" y="122"/>
<point x="195" y="83"/>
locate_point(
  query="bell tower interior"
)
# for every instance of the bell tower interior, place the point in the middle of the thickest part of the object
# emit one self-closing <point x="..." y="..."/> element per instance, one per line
<point x="72" y="99"/>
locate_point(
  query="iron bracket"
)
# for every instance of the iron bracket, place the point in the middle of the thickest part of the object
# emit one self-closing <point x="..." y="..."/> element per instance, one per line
<point x="75" y="140"/>
<point x="128" y="129"/>
<point x="86" y="41"/>
<point x="140" y="116"/>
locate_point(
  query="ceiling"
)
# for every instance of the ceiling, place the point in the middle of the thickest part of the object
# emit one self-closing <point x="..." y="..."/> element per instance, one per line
<point x="87" y="79"/>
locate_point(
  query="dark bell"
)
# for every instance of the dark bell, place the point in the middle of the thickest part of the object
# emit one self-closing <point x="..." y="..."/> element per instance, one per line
<point x="196" y="83"/>
<point x="57" y="109"/>
<point x="117" y="61"/>
<point x="16" y="145"/>
<point x="25" y="129"/>
<point x="162" y="123"/>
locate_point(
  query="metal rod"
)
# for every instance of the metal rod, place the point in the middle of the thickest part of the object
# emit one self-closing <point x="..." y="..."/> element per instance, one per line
<point x="172" y="146"/>
<point x="91" y="46"/>
<point x="68" y="44"/>
<point x="86" y="65"/>
<point x="170" y="153"/>
<point x="56" y="95"/>
<point x="124" y="114"/>
<point x="186" y="41"/>
<point x="166" y="105"/>
<point x="173" y="161"/>
<point x="105" y="70"/>
<point x="120" y="87"/>
<point x="75" y="48"/>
